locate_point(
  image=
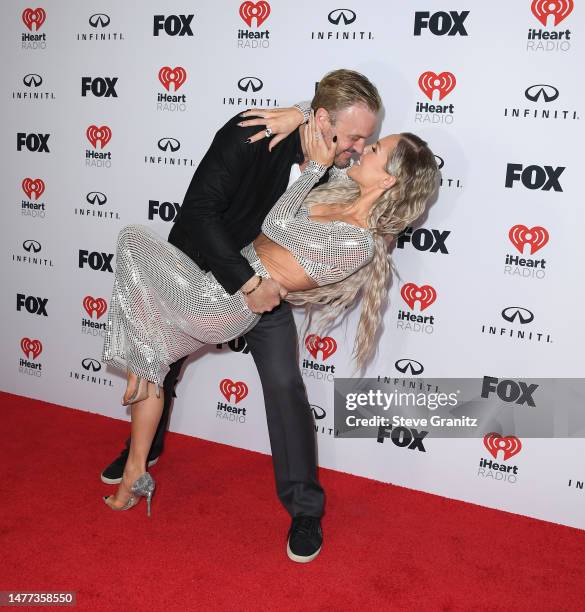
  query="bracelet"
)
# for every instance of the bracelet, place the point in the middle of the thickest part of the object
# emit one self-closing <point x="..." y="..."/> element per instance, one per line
<point x="316" y="168"/>
<point x="253" y="288"/>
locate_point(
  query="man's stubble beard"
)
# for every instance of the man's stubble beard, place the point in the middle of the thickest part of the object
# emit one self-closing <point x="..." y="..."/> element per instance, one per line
<point x="342" y="164"/>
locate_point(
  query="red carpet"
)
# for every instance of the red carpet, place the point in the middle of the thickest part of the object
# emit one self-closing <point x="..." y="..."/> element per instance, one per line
<point x="216" y="540"/>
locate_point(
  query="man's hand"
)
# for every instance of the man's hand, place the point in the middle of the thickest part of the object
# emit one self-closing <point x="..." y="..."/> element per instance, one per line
<point x="266" y="297"/>
<point x="281" y="121"/>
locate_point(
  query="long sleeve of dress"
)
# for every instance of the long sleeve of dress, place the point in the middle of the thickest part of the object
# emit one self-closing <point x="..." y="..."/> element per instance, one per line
<point x="328" y="252"/>
<point x="305" y="108"/>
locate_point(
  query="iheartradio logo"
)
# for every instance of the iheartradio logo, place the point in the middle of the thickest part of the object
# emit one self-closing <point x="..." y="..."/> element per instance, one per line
<point x="238" y="389"/>
<point x="412" y="293"/>
<point x="33" y="188"/>
<point x="97" y="306"/>
<point x="536" y="237"/>
<point x="260" y="11"/>
<point x="561" y="9"/>
<point x="172" y="76"/>
<point x="430" y="82"/>
<point x="495" y="442"/>
<point x="102" y="134"/>
<point x="327" y="345"/>
<point x="34" y="17"/>
<point x="31" y="347"/>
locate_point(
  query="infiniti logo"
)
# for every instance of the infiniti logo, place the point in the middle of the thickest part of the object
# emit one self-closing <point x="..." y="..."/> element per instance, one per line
<point x="31" y="245"/>
<point x="96" y="197"/>
<point x="99" y="19"/>
<point x="164" y="144"/>
<point x="318" y="412"/>
<point x="440" y="161"/>
<point x="516" y="312"/>
<point x="345" y="15"/>
<point x="246" y="83"/>
<point x="91" y="364"/>
<point x="32" y="80"/>
<point x="404" y="365"/>
<point x="547" y="92"/>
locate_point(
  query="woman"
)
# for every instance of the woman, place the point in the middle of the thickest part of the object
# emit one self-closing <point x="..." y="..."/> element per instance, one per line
<point x="322" y="249"/>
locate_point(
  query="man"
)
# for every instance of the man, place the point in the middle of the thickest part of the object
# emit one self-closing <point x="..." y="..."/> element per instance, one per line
<point x="237" y="182"/>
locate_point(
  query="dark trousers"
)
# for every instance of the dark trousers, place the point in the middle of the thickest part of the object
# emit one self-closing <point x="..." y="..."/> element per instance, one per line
<point x="291" y="427"/>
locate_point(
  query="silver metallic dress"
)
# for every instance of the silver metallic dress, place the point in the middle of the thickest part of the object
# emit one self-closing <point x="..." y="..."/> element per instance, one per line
<point x="165" y="307"/>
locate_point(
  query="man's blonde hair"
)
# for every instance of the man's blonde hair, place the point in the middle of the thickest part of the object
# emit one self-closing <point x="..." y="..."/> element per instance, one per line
<point x="340" y="89"/>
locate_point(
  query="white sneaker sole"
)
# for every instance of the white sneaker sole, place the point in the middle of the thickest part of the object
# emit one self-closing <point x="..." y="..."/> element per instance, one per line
<point x="113" y="481"/>
<point x="299" y="558"/>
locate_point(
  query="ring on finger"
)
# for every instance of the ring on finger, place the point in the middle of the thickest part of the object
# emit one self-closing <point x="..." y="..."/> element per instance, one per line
<point x="267" y="132"/>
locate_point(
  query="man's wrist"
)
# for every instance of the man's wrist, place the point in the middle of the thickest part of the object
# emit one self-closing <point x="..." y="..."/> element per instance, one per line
<point x="248" y="284"/>
<point x="251" y="285"/>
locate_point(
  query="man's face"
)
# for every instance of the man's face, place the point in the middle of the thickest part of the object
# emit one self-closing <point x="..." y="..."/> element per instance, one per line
<point x="352" y="126"/>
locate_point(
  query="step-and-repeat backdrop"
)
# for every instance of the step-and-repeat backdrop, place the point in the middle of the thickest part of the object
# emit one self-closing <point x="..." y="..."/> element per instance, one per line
<point x="107" y="108"/>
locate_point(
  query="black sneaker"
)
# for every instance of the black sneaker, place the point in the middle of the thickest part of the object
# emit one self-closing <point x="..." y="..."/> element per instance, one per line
<point x="113" y="473"/>
<point x="304" y="539"/>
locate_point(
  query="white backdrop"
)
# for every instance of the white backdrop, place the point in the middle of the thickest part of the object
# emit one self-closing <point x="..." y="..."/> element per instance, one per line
<point x="510" y="104"/>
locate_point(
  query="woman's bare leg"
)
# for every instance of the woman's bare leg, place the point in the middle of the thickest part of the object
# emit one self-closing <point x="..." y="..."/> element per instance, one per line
<point x="132" y="387"/>
<point x="145" y="418"/>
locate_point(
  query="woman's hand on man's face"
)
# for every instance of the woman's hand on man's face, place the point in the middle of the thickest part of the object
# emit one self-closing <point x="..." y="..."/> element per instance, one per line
<point x="317" y="149"/>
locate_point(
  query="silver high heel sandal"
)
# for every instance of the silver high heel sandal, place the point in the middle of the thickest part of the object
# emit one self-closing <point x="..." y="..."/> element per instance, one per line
<point x="142" y="487"/>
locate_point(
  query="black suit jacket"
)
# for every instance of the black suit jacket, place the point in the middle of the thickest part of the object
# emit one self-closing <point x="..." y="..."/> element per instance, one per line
<point x="230" y="194"/>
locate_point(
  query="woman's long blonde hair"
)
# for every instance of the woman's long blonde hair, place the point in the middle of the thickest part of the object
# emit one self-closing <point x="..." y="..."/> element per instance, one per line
<point x="414" y="166"/>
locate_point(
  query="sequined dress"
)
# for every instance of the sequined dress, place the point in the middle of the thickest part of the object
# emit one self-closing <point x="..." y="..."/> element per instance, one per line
<point x="165" y="307"/>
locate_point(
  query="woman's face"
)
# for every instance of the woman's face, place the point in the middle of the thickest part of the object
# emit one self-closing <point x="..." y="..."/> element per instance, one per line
<point x="370" y="170"/>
